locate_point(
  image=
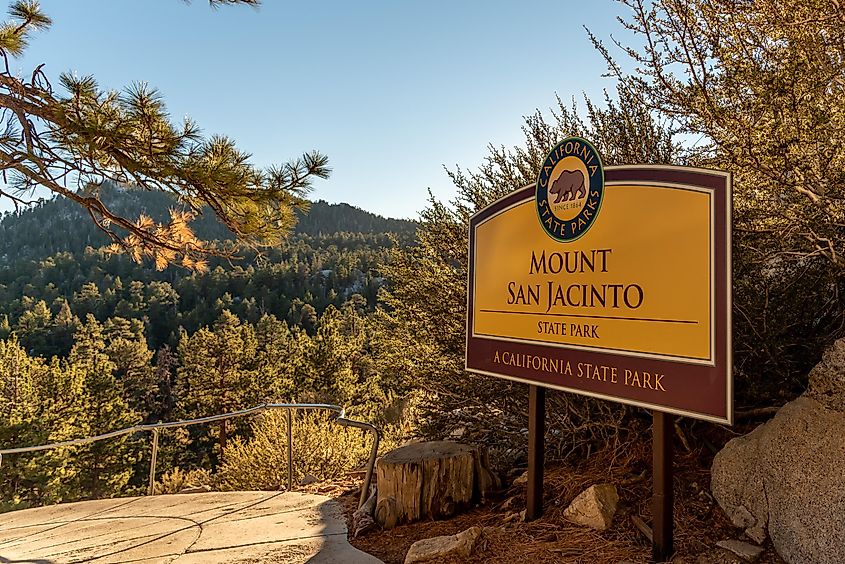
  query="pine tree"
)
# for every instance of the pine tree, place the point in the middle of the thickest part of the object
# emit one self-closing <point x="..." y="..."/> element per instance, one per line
<point x="62" y="329"/>
<point x="127" y="349"/>
<point x="33" y="328"/>
<point x="88" y="300"/>
<point x="74" y="140"/>
<point x="5" y="327"/>
<point x="19" y="406"/>
<point x="308" y="317"/>
<point x="165" y="378"/>
<point x="275" y="359"/>
<point x="17" y="385"/>
<point x="217" y="373"/>
<point x="105" y="467"/>
<point x="42" y="403"/>
<point x="329" y="371"/>
<point x="759" y="87"/>
<point x="163" y="308"/>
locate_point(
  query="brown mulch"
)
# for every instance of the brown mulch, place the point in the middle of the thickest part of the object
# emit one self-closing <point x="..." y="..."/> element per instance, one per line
<point x="699" y="522"/>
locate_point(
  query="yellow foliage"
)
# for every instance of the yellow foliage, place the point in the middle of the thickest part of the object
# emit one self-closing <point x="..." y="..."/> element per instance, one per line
<point x="176" y="480"/>
<point x="321" y="448"/>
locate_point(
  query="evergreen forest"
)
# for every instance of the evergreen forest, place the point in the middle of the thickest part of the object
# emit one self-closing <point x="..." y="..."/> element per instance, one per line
<point x="93" y="342"/>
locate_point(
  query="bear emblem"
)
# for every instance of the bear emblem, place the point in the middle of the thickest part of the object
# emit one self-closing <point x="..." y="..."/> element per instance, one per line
<point x="568" y="186"/>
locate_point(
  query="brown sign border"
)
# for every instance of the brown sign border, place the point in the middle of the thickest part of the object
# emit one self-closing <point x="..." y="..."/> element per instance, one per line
<point x="712" y="398"/>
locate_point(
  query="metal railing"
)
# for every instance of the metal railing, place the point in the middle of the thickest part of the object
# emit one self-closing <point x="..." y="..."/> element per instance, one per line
<point x="156" y="428"/>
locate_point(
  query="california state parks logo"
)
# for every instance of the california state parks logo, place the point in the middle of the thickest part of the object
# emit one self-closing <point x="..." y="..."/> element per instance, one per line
<point x="570" y="188"/>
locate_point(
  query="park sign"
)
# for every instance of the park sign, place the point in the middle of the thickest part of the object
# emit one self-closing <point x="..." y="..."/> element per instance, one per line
<point x="608" y="282"/>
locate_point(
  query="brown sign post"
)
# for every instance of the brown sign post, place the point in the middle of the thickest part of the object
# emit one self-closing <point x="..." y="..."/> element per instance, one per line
<point x="612" y="283"/>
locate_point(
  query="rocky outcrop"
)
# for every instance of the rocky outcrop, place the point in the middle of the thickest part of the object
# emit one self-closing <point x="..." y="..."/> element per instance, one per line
<point x="786" y="477"/>
<point x="594" y="507"/>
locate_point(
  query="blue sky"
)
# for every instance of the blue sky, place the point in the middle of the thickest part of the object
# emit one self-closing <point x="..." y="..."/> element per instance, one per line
<point x="391" y="91"/>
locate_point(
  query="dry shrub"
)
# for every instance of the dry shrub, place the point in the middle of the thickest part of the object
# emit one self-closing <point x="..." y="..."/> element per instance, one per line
<point x="176" y="480"/>
<point x="321" y="448"/>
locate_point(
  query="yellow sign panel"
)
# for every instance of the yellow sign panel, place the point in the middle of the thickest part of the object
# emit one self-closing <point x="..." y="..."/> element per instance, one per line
<point x="612" y="283"/>
<point x="639" y="282"/>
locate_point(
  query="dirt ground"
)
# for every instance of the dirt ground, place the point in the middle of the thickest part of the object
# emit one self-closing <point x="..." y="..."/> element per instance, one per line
<point x="699" y="522"/>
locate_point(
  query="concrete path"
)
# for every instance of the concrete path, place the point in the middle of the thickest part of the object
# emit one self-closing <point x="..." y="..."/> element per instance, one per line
<point x="252" y="527"/>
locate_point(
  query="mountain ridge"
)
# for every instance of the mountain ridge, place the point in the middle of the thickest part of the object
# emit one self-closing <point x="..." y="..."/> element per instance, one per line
<point x="59" y="225"/>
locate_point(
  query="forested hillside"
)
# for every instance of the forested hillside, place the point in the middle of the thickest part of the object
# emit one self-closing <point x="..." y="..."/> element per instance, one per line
<point x="52" y="269"/>
<point x="91" y="342"/>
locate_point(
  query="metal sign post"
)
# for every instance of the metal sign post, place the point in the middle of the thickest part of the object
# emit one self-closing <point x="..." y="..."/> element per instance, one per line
<point x="662" y="517"/>
<point x="536" y="454"/>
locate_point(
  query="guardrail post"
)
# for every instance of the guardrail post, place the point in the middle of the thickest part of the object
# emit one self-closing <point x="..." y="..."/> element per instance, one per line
<point x="290" y="449"/>
<point x="151" y="489"/>
<point x="368" y="479"/>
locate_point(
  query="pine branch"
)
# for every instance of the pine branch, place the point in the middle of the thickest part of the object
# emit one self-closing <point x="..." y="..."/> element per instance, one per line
<point x="69" y="143"/>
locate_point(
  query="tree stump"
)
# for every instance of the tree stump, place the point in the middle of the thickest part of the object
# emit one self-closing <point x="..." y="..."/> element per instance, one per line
<point x="430" y="480"/>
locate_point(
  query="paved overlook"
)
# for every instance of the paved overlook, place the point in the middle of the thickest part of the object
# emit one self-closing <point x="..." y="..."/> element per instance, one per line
<point x="203" y="528"/>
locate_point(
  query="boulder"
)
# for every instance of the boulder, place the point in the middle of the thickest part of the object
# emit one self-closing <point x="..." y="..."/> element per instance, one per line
<point x="363" y="519"/>
<point x="786" y="477"/>
<point x="827" y="378"/>
<point x="594" y="507"/>
<point x="509" y="503"/>
<point x="457" y="546"/>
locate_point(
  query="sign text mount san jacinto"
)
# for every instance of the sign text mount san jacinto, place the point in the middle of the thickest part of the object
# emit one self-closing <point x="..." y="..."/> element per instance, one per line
<point x="610" y="282"/>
